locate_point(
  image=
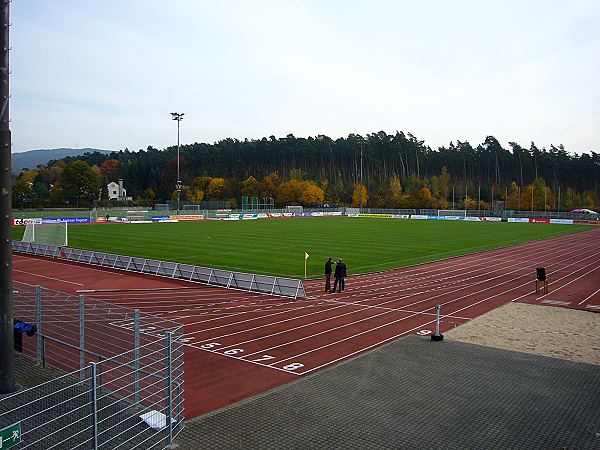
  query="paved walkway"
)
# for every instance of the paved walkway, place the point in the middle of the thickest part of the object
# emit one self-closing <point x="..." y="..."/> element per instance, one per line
<point x="418" y="394"/>
<point x="414" y="394"/>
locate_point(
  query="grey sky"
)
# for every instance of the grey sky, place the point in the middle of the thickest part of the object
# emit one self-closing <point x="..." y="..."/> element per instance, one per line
<point x="107" y="73"/>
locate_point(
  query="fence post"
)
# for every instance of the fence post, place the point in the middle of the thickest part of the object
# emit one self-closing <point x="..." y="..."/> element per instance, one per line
<point x="136" y="356"/>
<point x="169" y="399"/>
<point x="81" y="334"/>
<point x="94" y="406"/>
<point x="38" y="324"/>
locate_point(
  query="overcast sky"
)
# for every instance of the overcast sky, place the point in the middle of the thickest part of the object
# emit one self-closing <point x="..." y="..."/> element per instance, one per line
<point x="107" y="73"/>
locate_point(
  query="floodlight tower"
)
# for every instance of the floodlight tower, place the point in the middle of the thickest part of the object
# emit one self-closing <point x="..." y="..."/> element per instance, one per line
<point x="178" y="117"/>
<point x="361" y="141"/>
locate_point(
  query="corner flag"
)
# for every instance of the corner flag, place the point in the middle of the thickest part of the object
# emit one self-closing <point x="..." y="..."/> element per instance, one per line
<point x="306" y="255"/>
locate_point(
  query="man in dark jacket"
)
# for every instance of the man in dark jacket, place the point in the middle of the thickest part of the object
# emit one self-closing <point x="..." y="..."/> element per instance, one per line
<point x="340" y="273"/>
<point x="328" y="264"/>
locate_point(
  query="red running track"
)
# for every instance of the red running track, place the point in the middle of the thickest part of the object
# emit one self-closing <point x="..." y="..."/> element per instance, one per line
<point x="241" y="344"/>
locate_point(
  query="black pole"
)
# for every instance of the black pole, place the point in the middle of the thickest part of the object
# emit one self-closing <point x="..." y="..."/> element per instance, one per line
<point x="7" y="366"/>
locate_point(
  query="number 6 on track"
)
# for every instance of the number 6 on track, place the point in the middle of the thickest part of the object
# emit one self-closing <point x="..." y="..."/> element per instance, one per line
<point x="293" y="366"/>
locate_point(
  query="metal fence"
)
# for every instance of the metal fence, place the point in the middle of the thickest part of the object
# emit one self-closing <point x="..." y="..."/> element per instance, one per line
<point x="103" y="404"/>
<point x="120" y="364"/>
<point x="265" y="284"/>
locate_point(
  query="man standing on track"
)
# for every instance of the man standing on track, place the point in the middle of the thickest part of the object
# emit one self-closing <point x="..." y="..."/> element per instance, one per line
<point x="328" y="264"/>
<point x="340" y="273"/>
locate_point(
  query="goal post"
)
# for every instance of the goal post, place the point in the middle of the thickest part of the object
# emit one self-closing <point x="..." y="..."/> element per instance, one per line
<point x="452" y="213"/>
<point x="47" y="233"/>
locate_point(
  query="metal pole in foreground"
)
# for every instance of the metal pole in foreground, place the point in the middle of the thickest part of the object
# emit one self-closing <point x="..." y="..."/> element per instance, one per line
<point x="437" y="336"/>
<point x="7" y="367"/>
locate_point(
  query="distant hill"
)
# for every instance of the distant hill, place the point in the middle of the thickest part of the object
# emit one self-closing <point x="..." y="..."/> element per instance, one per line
<point x="31" y="158"/>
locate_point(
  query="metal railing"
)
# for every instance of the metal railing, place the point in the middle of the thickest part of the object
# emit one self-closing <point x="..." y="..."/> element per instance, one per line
<point x="264" y="284"/>
<point x="120" y="364"/>
<point x="103" y="404"/>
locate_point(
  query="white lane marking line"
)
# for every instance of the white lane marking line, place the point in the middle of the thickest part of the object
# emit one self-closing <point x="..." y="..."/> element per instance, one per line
<point x="53" y="261"/>
<point x="593" y="306"/>
<point x="366" y="348"/>
<point x="588" y="297"/>
<point x="555" y="302"/>
<point x="449" y="315"/>
<point x="400" y="298"/>
<point x="49" y="278"/>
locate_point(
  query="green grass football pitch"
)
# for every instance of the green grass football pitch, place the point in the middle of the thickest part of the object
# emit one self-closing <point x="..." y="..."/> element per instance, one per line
<point x="277" y="246"/>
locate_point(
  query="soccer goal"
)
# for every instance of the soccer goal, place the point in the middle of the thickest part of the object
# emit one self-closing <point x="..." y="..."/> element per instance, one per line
<point x="452" y="213"/>
<point x="47" y="233"/>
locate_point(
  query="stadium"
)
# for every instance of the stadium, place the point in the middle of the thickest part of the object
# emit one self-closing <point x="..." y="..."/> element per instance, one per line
<point x="241" y="300"/>
<point x="376" y="227"/>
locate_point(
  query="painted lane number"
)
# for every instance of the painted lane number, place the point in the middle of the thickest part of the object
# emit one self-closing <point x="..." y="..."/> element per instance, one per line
<point x="235" y="351"/>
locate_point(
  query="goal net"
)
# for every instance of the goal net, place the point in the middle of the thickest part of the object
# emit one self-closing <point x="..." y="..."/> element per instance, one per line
<point x="452" y="213"/>
<point x="47" y="233"/>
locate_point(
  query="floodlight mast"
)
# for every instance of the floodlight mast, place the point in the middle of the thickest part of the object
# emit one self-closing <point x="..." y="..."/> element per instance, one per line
<point x="178" y="117"/>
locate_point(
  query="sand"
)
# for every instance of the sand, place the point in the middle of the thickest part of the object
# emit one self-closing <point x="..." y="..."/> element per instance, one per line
<point x="543" y="330"/>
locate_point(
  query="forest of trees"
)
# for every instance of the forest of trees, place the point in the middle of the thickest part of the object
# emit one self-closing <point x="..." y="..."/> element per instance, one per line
<point x="398" y="171"/>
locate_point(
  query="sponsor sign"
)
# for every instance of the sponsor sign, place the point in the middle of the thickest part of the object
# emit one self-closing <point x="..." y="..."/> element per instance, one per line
<point x="65" y="219"/>
<point x="19" y="222"/>
<point x="274" y="215"/>
<point x="432" y="217"/>
<point x="377" y="216"/>
<point x="316" y="214"/>
<point x="539" y="220"/>
<point x="473" y="219"/>
<point x="418" y="217"/>
<point x="588" y="222"/>
<point x="188" y="217"/>
<point x="159" y="218"/>
<point x="335" y="213"/>
<point x="401" y="216"/>
<point x="562" y="221"/>
<point x="451" y="218"/>
<point x="518" y="219"/>
<point x="491" y="219"/>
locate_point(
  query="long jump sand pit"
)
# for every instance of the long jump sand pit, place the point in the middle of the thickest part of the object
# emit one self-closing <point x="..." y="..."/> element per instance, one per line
<point x="543" y="330"/>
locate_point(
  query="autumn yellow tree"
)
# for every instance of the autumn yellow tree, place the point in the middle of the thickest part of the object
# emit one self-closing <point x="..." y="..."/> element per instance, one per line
<point x="250" y="187"/>
<point x="23" y="190"/>
<point x="216" y="189"/>
<point x="424" y="198"/>
<point x="270" y="184"/>
<point x="360" y="191"/>
<point x="311" y="194"/>
<point x="444" y="183"/>
<point x="512" y="202"/>
<point x="395" y="193"/>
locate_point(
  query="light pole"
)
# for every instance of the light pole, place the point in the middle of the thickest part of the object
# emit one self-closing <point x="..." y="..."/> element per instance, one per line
<point x="361" y="177"/>
<point x="178" y="117"/>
